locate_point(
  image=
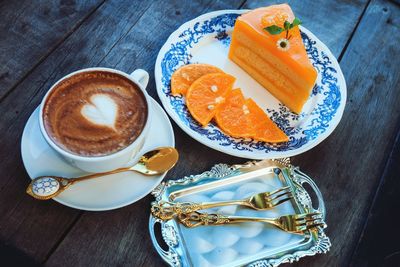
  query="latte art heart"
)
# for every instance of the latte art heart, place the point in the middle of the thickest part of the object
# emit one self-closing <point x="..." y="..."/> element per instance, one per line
<point x="95" y="113"/>
<point x="102" y="110"/>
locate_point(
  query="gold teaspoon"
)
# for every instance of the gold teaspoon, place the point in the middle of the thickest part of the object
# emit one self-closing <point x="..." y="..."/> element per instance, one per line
<point x="153" y="162"/>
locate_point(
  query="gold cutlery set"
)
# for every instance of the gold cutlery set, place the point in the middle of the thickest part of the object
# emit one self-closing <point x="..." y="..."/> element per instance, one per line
<point x="187" y="212"/>
<point x="163" y="159"/>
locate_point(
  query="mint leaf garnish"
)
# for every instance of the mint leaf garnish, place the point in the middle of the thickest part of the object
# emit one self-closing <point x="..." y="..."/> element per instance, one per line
<point x="296" y="22"/>
<point x="274" y="29"/>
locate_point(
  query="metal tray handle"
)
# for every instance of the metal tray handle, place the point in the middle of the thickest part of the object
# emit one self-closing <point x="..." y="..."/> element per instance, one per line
<point x="169" y="256"/>
<point x="302" y="178"/>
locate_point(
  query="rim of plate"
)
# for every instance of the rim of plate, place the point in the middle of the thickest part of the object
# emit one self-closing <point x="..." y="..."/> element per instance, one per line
<point x="68" y="204"/>
<point x="227" y="150"/>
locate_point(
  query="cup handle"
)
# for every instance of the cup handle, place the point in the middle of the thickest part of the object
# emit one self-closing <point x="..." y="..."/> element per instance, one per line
<point x="141" y="76"/>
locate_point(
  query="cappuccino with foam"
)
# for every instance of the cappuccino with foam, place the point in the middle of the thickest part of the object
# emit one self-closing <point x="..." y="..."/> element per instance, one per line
<point x="95" y="113"/>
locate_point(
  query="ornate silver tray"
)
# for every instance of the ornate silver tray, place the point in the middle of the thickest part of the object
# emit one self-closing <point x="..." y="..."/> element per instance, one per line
<point x="250" y="244"/>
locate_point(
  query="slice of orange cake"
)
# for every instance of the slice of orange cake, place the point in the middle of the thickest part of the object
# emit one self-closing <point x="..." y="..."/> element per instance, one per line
<point x="267" y="44"/>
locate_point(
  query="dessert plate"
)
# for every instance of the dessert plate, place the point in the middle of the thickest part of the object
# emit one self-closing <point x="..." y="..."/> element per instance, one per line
<point x="105" y="193"/>
<point x="206" y="39"/>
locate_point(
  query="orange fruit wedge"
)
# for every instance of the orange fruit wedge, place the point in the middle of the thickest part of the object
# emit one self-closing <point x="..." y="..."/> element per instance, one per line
<point x="183" y="77"/>
<point x="239" y="117"/>
<point x="232" y="115"/>
<point x="264" y="129"/>
<point x="206" y="94"/>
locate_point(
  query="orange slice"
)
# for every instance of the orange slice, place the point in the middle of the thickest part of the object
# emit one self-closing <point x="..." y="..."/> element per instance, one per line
<point x="232" y="115"/>
<point x="263" y="128"/>
<point x="206" y="94"/>
<point x="183" y="77"/>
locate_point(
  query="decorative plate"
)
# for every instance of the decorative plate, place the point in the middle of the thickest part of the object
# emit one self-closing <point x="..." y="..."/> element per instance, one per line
<point x="249" y="244"/>
<point x="206" y="39"/>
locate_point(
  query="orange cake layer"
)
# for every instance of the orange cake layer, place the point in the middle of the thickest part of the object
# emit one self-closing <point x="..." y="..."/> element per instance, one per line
<point x="288" y="75"/>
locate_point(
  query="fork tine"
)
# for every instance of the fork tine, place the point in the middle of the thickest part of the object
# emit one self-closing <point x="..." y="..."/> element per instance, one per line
<point x="314" y="214"/>
<point x="315" y="225"/>
<point x="305" y="222"/>
<point x="308" y="216"/>
<point x="299" y="216"/>
<point x="301" y="228"/>
<point x="305" y="215"/>
<point x="281" y="201"/>
<point x="311" y="219"/>
<point x="277" y="191"/>
<point x="300" y="225"/>
<point x="269" y="199"/>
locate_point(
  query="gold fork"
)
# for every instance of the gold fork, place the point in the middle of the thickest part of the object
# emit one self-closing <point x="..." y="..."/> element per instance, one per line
<point x="260" y="201"/>
<point x="297" y="223"/>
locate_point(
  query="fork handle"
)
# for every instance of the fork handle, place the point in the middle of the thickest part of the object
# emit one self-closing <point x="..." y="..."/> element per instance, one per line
<point x="167" y="210"/>
<point x="195" y="219"/>
<point x="208" y="205"/>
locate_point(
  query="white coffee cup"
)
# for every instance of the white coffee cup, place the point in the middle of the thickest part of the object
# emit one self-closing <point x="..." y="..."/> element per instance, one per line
<point x="121" y="158"/>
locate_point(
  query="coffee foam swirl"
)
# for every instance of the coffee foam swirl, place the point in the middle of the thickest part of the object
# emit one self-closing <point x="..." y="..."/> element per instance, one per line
<point x="95" y="113"/>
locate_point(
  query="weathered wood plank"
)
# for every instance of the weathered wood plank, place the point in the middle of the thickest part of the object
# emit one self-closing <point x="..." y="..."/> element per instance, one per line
<point x="128" y="54"/>
<point x="13" y="256"/>
<point x="34" y="226"/>
<point x="379" y="242"/>
<point x="332" y="22"/>
<point x="348" y="165"/>
<point x="36" y="28"/>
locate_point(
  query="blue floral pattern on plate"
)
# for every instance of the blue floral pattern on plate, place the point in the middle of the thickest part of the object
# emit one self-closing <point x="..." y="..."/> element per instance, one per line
<point x="327" y="90"/>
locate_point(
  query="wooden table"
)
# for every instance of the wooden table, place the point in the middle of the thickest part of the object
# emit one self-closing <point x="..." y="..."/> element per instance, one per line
<point x="356" y="168"/>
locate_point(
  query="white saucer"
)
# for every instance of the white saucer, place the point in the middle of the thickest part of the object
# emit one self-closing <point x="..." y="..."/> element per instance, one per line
<point x="105" y="193"/>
